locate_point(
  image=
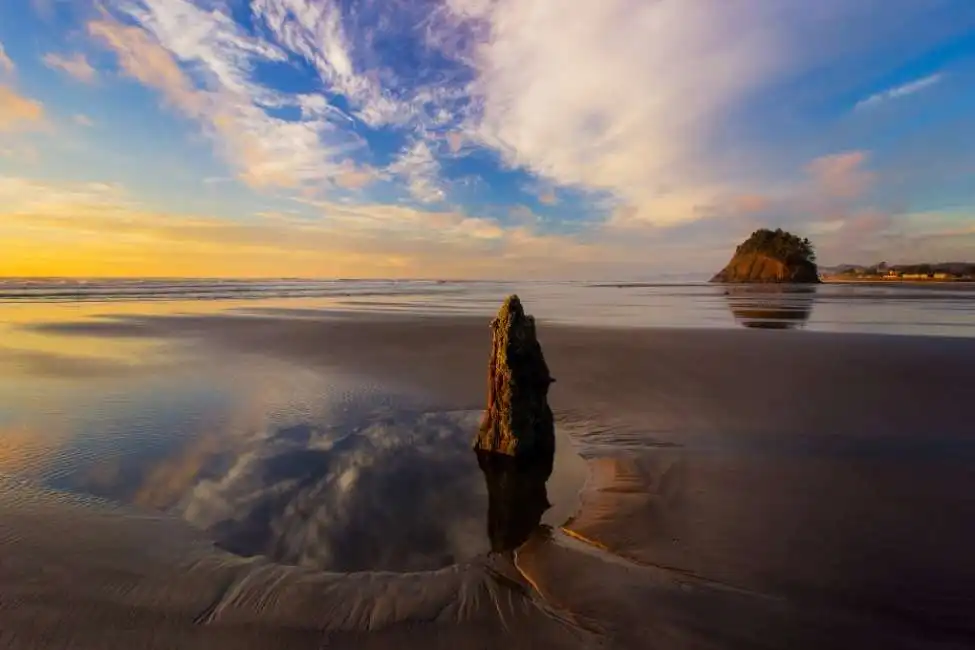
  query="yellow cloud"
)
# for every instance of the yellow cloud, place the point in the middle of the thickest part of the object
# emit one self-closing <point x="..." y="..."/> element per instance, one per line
<point x="17" y="111"/>
<point x="93" y="229"/>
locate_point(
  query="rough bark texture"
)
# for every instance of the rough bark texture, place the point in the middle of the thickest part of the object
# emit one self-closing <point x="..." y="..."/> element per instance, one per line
<point x="518" y="420"/>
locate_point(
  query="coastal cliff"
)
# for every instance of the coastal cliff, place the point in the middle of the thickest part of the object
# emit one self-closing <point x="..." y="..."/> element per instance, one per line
<point x="769" y="256"/>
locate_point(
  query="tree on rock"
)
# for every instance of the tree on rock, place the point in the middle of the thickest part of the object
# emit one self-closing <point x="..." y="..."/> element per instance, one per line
<point x="772" y="256"/>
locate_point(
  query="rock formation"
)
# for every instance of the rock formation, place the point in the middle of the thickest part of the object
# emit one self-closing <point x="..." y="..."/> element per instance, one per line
<point x="771" y="256"/>
<point x="518" y="421"/>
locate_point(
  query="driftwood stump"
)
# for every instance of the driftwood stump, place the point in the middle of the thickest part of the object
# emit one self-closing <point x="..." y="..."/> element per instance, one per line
<point x="518" y="420"/>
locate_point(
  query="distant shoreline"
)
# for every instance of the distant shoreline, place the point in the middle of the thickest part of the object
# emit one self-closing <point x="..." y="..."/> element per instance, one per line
<point x="832" y="279"/>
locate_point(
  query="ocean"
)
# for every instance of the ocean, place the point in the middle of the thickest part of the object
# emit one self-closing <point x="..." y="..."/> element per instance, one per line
<point x="920" y="309"/>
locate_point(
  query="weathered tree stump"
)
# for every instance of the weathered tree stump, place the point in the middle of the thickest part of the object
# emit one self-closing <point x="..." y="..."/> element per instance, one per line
<point x="518" y="421"/>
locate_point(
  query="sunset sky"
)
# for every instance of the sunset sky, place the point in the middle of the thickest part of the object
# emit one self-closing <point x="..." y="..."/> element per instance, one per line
<point x="479" y="138"/>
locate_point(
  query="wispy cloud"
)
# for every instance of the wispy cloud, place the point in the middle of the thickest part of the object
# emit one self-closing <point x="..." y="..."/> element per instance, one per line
<point x="417" y="165"/>
<point x="355" y="177"/>
<point x="75" y="65"/>
<point x="210" y="73"/>
<point x="229" y="105"/>
<point x="143" y="59"/>
<point x="621" y="114"/>
<point x="317" y="33"/>
<point x="628" y="117"/>
<point x="842" y="175"/>
<point x="19" y="112"/>
<point x="620" y="97"/>
<point x="898" y="92"/>
<point x="83" y="120"/>
<point x="7" y="66"/>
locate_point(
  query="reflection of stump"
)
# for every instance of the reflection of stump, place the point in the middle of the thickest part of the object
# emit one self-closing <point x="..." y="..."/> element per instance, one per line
<point x="518" y="420"/>
<point x="516" y="498"/>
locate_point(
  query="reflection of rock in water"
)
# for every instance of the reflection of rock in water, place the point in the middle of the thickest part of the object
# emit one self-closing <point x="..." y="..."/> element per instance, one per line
<point x="516" y="498"/>
<point x="771" y="307"/>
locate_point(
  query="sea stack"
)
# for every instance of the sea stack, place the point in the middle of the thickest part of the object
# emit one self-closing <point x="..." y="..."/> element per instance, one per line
<point x="518" y="421"/>
<point x="771" y="256"/>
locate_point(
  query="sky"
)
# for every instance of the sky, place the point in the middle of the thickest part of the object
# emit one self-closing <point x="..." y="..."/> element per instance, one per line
<point x="479" y="138"/>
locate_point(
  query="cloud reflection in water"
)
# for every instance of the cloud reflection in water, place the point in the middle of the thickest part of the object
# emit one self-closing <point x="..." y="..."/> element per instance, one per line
<point x="396" y="491"/>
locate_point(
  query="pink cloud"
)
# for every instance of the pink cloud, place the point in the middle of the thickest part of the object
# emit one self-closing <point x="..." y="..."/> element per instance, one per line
<point x="750" y="203"/>
<point x="841" y="175"/>
<point x="75" y="65"/>
<point x="17" y="111"/>
<point x="455" y="141"/>
<point x="354" y="178"/>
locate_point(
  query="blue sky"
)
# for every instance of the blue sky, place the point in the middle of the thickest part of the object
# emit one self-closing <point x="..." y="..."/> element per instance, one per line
<point x="480" y="138"/>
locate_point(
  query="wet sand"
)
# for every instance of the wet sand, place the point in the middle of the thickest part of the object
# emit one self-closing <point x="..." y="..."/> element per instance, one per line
<point x="747" y="489"/>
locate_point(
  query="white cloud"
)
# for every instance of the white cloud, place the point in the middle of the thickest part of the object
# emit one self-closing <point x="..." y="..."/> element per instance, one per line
<point x="417" y="165"/>
<point x="315" y="31"/>
<point x="75" y="65"/>
<point x="624" y="99"/>
<point x="616" y="95"/>
<point x="629" y="97"/>
<point x="898" y="92"/>
<point x="202" y="63"/>
<point x="83" y="120"/>
<point x="7" y="66"/>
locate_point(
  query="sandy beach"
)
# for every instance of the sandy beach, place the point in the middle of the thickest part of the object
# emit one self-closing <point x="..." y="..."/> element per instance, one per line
<point x="745" y="489"/>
